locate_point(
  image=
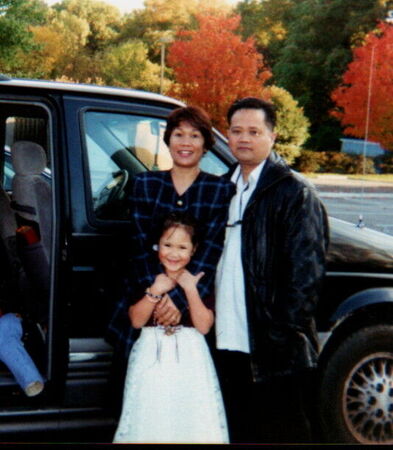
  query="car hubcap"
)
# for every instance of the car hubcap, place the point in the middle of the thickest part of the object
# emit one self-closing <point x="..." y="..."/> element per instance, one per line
<point x="368" y="399"/>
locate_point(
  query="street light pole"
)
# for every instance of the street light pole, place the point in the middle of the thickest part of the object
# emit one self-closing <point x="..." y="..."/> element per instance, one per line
<point x="164" y="40"/>
<point x="162" y="66"/>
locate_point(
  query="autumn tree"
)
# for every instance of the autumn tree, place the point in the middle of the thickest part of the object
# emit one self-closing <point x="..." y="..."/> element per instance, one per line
<point x="316" y="52"/>
<point x="61" y="48"/>
<point x="212" y="66"/>
<point x="163" y="18"/>
<point x="363" y="96"/>
<point x="72" y="41"/>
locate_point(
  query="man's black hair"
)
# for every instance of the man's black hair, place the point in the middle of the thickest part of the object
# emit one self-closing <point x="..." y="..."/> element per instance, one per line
<point x="254" y="103"/>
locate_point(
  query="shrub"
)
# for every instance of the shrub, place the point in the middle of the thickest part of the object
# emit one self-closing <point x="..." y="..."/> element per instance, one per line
<point x="308" y="161"/>
<point x="333" y="162"/>
<point x="357" y="166"/>
<point x="384" y="163"/>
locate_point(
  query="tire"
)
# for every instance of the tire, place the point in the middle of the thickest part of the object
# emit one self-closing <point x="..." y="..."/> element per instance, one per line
<point x="356" y="389"/>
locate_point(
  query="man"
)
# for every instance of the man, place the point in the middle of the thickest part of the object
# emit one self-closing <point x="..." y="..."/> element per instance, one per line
<point x="266" y="285"/>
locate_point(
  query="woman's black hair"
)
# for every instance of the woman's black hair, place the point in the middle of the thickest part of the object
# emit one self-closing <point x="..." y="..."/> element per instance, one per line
<point x="196" y="117"/>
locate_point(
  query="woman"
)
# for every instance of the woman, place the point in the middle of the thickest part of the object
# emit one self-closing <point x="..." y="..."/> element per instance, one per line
<point x="182" y="188"/>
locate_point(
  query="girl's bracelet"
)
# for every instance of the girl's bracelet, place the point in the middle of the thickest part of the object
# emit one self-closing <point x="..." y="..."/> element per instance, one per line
<point x="153" y="298"/>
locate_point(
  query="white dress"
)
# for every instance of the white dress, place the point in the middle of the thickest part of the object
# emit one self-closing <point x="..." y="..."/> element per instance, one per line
<point x="171" y="393"/>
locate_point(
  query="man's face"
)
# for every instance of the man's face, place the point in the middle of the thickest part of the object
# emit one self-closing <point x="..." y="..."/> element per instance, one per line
<point x="250" y="139"/>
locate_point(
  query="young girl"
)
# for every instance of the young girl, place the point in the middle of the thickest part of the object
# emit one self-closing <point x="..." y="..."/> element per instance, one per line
<point x="171" y="392"/>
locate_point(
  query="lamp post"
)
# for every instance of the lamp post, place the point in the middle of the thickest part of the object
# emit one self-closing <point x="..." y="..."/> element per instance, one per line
<point x="164" y="40"/>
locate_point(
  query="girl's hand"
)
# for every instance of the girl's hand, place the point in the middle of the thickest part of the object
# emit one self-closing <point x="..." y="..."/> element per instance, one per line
<point x="162" y="284"/>
<point x="189" y="281"/>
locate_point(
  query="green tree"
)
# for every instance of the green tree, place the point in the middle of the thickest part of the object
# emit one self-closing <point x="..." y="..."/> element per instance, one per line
<point x="267" y="21"/>
<point x="292" y="125"/>
<point x="316" y="52"/>
<point x="127" y="65"/>
<point x="104" y="20"/>
<point x="16" y="17"/>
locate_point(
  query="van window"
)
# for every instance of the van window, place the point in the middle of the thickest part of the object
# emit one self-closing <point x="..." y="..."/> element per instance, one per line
<point x="119" y="146"/>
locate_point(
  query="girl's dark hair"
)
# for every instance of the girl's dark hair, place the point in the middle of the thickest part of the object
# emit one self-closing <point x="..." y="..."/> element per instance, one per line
<point x="181" y="219"/>
<point x="196" y="117"/>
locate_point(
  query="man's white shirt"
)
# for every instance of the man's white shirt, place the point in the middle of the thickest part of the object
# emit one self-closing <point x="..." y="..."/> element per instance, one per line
<point x="231" y="315"/>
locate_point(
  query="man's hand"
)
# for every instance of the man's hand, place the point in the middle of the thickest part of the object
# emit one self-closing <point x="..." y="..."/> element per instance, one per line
<point x="166" y="312"/>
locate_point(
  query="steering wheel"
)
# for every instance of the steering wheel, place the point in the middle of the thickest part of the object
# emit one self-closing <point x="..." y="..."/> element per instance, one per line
<point x="116" y="186"/>
<point x="112" y="195"/>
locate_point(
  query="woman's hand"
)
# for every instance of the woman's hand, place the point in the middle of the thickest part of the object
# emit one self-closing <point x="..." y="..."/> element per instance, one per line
<point x="166" y="313"/>
<point x="188" y="281"/>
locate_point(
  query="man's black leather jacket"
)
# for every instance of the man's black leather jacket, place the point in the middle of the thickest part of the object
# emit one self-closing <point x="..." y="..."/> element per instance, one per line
<point x="284" y="241"/>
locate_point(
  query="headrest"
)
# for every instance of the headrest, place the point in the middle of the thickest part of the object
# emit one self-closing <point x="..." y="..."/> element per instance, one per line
<point x="28" y="158"/>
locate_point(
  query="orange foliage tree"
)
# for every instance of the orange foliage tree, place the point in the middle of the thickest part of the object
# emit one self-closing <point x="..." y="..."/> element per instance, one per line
<point x="372" y="61"/>
<point x="213" y="67"/>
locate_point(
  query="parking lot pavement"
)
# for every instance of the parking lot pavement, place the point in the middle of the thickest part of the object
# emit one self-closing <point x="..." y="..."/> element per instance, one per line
<point x="349" y="199"/>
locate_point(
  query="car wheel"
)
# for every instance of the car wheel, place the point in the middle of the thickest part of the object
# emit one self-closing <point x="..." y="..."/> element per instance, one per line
<point x="356" y="389"/>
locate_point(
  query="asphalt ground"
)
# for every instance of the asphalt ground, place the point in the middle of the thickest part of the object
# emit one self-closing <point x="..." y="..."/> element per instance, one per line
<point x="349" y="199"/>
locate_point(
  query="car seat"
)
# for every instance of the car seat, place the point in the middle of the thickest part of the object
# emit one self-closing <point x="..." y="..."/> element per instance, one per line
<point x="31" y="194"/>
<point x="32" y="202"/>
<point x="7" y="220"/>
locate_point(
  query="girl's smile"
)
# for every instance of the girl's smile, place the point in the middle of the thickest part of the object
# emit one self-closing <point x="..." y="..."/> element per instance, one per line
<point x="175" y="250"/>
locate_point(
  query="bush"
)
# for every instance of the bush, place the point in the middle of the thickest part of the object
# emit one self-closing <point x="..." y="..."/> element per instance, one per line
<point x="308" y="161"/>
<point x="384" y="163"/>
<point x="332" y="162"/>
<point x="335" y="162"/>
<point x="357" y="167"/>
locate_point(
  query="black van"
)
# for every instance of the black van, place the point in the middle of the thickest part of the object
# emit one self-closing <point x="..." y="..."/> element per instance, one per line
<point x="94" y="139"/>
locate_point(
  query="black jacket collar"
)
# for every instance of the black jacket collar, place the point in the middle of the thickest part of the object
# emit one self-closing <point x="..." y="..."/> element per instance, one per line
<point x="274" y="170"/>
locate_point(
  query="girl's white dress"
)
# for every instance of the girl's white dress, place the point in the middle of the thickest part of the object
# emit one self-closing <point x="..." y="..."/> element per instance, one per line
<point x="171" y="393"/>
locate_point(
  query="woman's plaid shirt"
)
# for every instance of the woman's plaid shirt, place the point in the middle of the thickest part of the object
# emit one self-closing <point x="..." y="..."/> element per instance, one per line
<point x="153" y="196"/>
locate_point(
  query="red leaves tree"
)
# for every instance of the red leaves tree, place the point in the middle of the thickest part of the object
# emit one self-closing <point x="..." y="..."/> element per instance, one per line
<point x="353" y="96"/>
<point x="212" y="66"/>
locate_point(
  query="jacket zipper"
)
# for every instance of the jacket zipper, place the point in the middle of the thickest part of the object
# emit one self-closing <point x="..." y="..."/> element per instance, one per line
<point x="253" y="363"/>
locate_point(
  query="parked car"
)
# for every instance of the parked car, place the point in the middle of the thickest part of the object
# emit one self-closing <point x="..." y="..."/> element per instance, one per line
<point x="95" y="139"/>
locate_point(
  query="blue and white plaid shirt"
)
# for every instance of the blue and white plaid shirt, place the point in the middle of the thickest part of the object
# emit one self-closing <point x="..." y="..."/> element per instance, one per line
<point x="153" y="196"/>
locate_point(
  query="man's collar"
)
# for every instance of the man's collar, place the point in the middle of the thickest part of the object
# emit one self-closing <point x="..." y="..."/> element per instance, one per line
<point x="254" y="175"/>
<point x="275" y="168"/>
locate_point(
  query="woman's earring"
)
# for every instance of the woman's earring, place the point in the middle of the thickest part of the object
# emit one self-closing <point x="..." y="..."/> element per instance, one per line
<point x="155" y="247"/>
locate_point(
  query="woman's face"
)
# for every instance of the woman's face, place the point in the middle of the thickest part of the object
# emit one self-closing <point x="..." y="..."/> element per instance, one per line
<point x="175" y="250"/>
<point x="186" y="145"/>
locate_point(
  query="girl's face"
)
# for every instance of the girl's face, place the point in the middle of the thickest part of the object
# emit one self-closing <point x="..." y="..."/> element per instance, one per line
<point x="186" y="145"/>
<point x="175" y="250"/>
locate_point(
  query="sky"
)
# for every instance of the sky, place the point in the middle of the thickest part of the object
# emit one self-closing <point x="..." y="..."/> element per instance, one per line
<point x="125" y="6"/>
